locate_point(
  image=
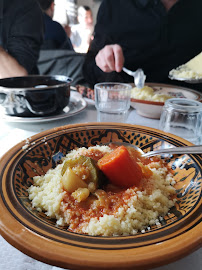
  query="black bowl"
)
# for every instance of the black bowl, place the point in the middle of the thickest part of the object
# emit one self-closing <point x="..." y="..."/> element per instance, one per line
<point x="34" y="95"/>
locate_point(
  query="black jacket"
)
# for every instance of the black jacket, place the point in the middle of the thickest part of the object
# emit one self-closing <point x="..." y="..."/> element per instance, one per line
<point x="152" y="38"/>
<point x="21" y="31"/>
<point x="55" y="36"/>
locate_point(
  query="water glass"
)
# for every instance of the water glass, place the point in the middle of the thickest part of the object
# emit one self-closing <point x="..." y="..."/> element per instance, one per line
<point x="182" y="117"/>
<point x="112" y="101"/>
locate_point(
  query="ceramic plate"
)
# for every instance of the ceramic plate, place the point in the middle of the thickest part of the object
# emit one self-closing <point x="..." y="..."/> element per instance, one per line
<point x="191" y="80"/>
<point x="152" y="109"/>
<point x="177" y="234"/>
<point x="76" y="105"/>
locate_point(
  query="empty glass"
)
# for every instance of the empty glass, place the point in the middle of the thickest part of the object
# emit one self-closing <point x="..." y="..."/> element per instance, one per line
<point x="112" y="101"/>
<point x="182" y="117"/>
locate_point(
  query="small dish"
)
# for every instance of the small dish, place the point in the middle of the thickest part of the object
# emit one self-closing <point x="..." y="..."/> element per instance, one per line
<point x="153" y="109"/>
<point x="76" y="105"/>
<point x="177" y="234"/>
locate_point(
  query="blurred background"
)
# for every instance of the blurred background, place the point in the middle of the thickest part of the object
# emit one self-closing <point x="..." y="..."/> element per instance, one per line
<point x="78" y="18"/>
<point x="66" y="10"/>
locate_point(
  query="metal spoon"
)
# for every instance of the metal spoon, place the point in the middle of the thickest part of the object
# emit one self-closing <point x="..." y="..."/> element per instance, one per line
<point x="139" y="76"/>
<point x="195" y="149"/>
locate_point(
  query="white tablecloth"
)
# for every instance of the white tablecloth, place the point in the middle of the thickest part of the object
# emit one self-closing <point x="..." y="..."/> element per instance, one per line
<point x="12" y="133"/>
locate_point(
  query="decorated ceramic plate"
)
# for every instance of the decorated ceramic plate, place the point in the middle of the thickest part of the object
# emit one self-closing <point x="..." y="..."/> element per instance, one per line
<point x="177" y="234"/>
<point x="152" y="109"/>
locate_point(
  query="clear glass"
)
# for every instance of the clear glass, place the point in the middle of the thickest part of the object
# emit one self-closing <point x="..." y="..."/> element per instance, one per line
<point x="182" y="117"/>
<point x="112" y="101"/>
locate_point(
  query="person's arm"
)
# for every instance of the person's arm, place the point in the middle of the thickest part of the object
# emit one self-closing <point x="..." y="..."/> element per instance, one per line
<point x="97" y="59"/>
<point x="9" y="67"/>
<point x="62" y="38"/>
<point x="67" y="29"/>
<point x="24" y="39"/>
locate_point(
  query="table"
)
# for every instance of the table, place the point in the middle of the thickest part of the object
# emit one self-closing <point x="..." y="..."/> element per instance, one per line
<point x="12" y="133"/>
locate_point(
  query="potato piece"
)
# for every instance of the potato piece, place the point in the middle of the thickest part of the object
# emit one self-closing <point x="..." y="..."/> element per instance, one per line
<point x="85" y="167"/>
<point x="81" y="194"/>
<point x="92" y="187"/>
<point x="71" y="181"/>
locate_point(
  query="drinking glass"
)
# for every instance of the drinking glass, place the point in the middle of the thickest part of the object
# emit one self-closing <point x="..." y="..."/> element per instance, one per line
<point x="112" y="101"/>
<point x="182" y="117"/>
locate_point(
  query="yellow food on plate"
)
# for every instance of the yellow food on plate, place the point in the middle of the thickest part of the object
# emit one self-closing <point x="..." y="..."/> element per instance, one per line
<point x="81" y="197"/>
<point x="148" y="93"/>
<point x="190" y="70"/>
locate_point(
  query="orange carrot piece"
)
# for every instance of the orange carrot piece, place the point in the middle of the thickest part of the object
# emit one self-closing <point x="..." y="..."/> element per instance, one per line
<point x="135" y="155"/>
<point x="120" y="168"/>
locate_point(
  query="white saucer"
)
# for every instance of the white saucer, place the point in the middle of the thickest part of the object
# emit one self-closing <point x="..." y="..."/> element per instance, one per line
<point x="187" y="80"/>
<point x="76" y="105"/>
<point x="89" y="101"/>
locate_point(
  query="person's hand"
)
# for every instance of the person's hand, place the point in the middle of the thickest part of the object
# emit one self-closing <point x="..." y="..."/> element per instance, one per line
<point x="110" y="58"/>
<point x="67" y="29"/>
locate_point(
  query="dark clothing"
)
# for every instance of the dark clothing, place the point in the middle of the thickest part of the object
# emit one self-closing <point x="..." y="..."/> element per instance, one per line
<point x="62" y="62"/>
<point x="152" y="38"/>
<point x="55" y="36"/>
<point x="21" y="31"/>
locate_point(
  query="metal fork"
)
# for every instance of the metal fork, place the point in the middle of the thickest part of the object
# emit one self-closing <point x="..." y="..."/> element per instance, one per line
<point x="139" y="76"/>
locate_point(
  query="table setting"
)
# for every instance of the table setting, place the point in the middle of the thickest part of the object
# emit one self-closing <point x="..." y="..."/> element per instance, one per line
<point x="34" y="141"/>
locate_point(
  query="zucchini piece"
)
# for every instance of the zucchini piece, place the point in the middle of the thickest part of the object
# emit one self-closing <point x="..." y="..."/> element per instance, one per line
<point x="95" y="174"/>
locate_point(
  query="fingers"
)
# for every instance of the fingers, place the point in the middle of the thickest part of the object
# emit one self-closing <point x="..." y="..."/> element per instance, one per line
<point x="105" y="59"/>
<point x="110" y="58"/>
<point x="119" y="58"/>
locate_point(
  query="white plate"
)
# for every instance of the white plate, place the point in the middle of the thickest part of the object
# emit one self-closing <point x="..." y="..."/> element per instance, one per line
<point x="152" y="109"/>
<point x="90" y="101"/>
<point x="174" y="91"/>
<point x="76" y="105"/>
<point x="187" y="80"/>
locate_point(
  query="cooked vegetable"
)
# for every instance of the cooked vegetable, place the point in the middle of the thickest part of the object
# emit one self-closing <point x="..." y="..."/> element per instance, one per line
<point x="136" y="156"/>
<point x="91" y="187"/>
<point x="120" y="168"/>
<point x="103" y="200"/>
<point x="146" y="172"/>
<point x="86" y="168"/>
<point x="81" y="194"/>
<point x="71" y="181"/>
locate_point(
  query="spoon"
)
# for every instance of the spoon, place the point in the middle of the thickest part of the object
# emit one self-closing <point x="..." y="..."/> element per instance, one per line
<point x="195" y="149"/>
<point x="139" y="77"/>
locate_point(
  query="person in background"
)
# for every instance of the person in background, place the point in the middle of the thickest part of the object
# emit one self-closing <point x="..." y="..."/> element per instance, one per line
<point x="81" y="33"/>
<point x="61" y="16"/>
<point x="55" y="36"/>
<point x="155" y="35"/>
<point x="21" y="35"/>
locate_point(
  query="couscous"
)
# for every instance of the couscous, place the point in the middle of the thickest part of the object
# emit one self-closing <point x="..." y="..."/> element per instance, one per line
<point x="190" y="70"/>
<point x="92" y="192"/>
